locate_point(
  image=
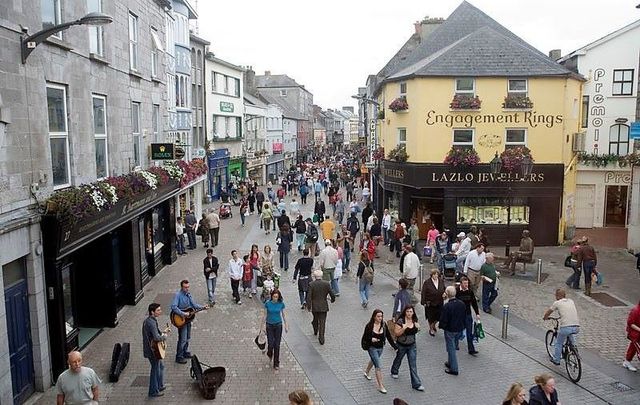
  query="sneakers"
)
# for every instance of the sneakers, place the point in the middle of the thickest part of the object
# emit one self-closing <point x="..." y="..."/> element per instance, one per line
<point x="382" y="390"/>
<point x="629" y="366"/>
<point x="394" y="376"/>
<point x="420" y="388"/>
<point x="239" y="302"/>
<point x="367" y="376"/>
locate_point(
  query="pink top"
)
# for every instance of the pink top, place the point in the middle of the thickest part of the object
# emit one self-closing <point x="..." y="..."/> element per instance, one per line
<point x="432" y="235"/>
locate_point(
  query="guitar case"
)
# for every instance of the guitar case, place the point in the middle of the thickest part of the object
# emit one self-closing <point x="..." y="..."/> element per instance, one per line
<point x="208" y="380"/>
<point x="119" y="360"/>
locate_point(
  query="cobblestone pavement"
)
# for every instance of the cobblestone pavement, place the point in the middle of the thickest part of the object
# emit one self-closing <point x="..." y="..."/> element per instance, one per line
<point x="333" y="372"/>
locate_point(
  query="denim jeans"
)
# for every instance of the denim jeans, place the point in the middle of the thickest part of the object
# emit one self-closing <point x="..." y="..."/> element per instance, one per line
<point x="451" y="341"/>
<point x="460" y="263"/>
<point x="563" y="332"/>
<point x="300" y="241"/>
<point x="489" y="294"/>
<point x="184" y="335"/>
<point x="346" y="259"/>
<point x="335" y="285"/>
<point x="303" y="296"/>
<point x="211" y="288"/>
<point x="588" y="267"/>
<point x="180" y="244"/>
<point x="191" y="236"/>
<point x="364" y="290"/>
<point x="468" y="326"/>
<point x="274" y="335"/>
<point x="242" y="218"/>
<point x="410" y="352"/>
<point x="375" y="353"/>
<point x="385" y="235"/>
<point x="284" y="260"/>
<point x="156" y="377"/>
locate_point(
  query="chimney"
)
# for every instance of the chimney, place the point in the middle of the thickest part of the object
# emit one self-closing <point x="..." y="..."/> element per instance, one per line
<point x="267" y="73"/>
<point x="428" y="25"/>
<point x="418" y="27"/>
<point x="250" y="81"/>
<point x="555" y="54"/>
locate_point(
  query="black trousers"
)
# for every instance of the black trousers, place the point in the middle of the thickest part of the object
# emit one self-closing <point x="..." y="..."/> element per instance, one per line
<point x="234" y="289"/>
<point x="274" y="336"/>
<point x="319" y="323"/>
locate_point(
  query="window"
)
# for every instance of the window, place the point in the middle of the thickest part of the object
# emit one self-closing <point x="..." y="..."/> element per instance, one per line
<point x="135" y="129"/>
<point x="51" y="15"/>
<point x="231" y="86"/>
<point x="518" y="86"/>
<point x="100" y="135"/>
<point x="402" y="136"/>
<point x="133" y="42"/>
<point x="156" y="48"/>
<point x="95" y="32"/>
<point x="182" y="91"/>
<point x="515" y="137"/>
<point x="238" y="127"/>
<point x="465" y="85"/>
<point x="283" y="93"/>
<point x="463" y="137"/>
<point x="58" y="135"/>
<point x="492" y="210"/>
<point x="155" y="118"/>
<point x="619" y="139"/>
<point x="237" y="87"/>
<point x="585" y="112"/>
<point x="403" y="89"/>
<point x="214" y="126"/>
<point x="623" y="82"/>
<point x="171" y="92"/>
<point x="170" y="25"/>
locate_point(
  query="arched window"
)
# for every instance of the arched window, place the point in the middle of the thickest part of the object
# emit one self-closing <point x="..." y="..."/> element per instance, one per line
<point x="619" y="139"/>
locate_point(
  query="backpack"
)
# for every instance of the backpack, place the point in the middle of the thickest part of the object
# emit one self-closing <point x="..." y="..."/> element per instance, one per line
<point x="367" y="274"/>
<point x="312" y="234"/>
<point x="353" y="225"/>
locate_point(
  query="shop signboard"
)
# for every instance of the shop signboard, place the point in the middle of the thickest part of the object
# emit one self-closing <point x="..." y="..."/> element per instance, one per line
<point x="225" y="106"/>
<point x="162" y="151"/>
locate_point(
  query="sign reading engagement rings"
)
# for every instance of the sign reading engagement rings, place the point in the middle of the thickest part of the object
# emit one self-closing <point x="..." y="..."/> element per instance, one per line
<point x="531" y="118"/>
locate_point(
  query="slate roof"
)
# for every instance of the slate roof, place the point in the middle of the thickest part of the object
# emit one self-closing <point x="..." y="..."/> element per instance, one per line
<point x="275" y="81"/>
<point x="485" y="52"/>
<point x="251" y="99"/>
<point x="470" y="43"/>
<point x="287" y="110"/>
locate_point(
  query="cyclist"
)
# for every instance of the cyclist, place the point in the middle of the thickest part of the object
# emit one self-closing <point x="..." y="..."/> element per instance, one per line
<point x="568" y="322"/>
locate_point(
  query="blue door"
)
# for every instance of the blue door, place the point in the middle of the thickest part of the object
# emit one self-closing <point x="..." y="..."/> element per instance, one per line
<point x="20" y="351"/>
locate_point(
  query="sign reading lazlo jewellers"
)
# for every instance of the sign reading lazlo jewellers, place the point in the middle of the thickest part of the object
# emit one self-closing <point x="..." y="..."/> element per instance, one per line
<point x="530" y="118"/>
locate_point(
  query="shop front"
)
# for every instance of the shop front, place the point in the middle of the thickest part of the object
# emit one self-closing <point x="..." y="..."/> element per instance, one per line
<point x="275" y="166"/>
<point x="237" y="169"/>
<point x="602" y="196"/>
<point x="503" y="204"/>
<point x="96" y="265"/>
<point x="255" y="170"/>
<point x="218" y="164"/>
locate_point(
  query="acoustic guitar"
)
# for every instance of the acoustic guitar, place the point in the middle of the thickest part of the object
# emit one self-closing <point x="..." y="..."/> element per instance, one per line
<point x="179" y="321"/>
<point x="160" y="348"/>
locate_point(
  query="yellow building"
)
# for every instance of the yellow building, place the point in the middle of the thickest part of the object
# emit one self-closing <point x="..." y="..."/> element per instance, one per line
<point x="473" y="89"/>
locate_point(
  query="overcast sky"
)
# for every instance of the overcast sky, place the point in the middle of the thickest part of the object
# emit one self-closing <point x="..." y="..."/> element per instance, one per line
<point x="330" y="46"/>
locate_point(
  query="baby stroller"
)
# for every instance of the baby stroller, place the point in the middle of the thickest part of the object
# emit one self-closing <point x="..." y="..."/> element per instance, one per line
<point x="266" y="289"/>
<point x="449" y="266"/>
<point x="225" y="210"/>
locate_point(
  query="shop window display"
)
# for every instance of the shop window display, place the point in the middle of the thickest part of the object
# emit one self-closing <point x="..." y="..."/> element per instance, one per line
<point x="492" y="211"/>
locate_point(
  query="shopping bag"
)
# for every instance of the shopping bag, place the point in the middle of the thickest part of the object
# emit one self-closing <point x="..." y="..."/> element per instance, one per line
<point x="427" y="251"/>
<point x="599" y="278"/>
<point x="478" y="331"/>
<point x="567" y="261"/>
<point x="261" y="340"/>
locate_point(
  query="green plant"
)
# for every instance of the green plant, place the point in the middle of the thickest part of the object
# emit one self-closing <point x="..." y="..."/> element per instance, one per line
<point x="462" y="156"/>
<point x="465" y="102"/>
<point x="399" y="154"/>
<point x="517" y="101"/>
<point x="592" y="159"/>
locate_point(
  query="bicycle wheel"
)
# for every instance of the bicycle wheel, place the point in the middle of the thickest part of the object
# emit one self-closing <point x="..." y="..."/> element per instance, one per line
<point x="550" y="342"/>
<point x="573" y="365"/>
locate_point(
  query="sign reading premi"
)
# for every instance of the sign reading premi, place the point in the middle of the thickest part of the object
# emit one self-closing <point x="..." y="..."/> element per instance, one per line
<point x="443" y="176"/>
<point x="528" y="118"/>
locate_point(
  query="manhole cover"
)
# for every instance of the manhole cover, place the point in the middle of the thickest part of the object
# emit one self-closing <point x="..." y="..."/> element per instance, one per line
<point x="621" y="387"/>
<point x="140" y="381"/>
<point x="164" y="299"/>
<point x="607" y="300"/>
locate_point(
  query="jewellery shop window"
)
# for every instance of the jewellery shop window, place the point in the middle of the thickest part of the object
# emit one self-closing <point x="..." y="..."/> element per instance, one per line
<point x="394" y="203"/>
<point x="494" y="211"/>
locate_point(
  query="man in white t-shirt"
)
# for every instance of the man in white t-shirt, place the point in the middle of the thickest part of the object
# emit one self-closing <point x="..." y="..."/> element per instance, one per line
<point x="569" y="324"/>
<point x="77" y="384"/>
<point x="410" y="270"/>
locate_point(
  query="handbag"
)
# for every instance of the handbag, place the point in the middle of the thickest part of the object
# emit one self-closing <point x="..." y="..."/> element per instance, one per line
<point x="261" y="340"/>
<point x="427" y="251"/>
<point x="391" y="326"/>
<point x="567" y="261"/>
<point x="478" y="331"/>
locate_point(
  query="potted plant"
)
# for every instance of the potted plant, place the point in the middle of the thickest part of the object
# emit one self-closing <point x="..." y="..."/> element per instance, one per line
<point x="381" y="114"/>
<point x="519" y="101"/>
<point x="399" y="104"/>
<point x="512" y="157"/>
<point x="460" y="156"/>
<point x="399" y="154"/>
<point x="465" y="102"/>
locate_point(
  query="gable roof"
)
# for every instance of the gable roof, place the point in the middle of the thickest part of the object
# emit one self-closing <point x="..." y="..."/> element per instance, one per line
<point x="253" y="100"/>
<point x="600" y="41"/>
<point x="484" y="52"/>
<point x="288" y="111"/>
<point x="275" y="81"/>
<point x="449" y="50"/>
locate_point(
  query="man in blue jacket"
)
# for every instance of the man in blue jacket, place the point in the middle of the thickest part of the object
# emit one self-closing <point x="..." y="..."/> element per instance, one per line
<point x="151" y="334"/>
<point x="181" y="302"/>
<point x="452" y="321"/>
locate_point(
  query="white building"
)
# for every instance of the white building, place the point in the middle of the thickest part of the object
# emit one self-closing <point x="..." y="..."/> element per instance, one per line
<point x="274" y="144"/>
<point x="610" y="65"/>
<point x="255" y="121"/>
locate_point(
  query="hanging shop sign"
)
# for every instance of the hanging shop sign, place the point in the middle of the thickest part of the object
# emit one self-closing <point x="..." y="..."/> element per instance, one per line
<point x="161" y="151"/>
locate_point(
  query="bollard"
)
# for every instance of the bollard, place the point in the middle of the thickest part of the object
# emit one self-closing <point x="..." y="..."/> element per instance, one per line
<point x="539" y="277"/>
<point x="420" y="277"/>
<point x="505" y="320"/>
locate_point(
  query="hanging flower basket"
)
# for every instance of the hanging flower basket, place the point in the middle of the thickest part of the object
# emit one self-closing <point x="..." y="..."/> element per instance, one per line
<point x="399" y="104"/>
<point x="399" y="154"/>
<point x="378" y="153"/>
<point x="512" y="157"/>
<point x="465" y="102"/>
<point x="517" y="101"/>
<point x="459" y="156"/>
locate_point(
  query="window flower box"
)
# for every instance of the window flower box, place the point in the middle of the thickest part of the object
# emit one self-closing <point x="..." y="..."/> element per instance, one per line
<point x="399" y="154"/>
<point x="517" y="101"/>
<point x="465" y="102"/>
<point x="462" y="156"/>
<point x="378" y="154"/>
<point x="512" y="157"/>
<point x="399" y="104"/>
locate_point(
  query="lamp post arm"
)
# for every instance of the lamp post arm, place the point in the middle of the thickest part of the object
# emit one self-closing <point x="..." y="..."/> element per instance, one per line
<point x="40" y="36"/>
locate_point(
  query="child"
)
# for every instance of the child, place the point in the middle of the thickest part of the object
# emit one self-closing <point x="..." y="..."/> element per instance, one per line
<point x="247" y="275"/>
<point x="268" y="286"/>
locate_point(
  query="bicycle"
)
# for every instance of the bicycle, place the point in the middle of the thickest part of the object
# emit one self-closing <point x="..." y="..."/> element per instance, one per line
<point x="570" y="354"/>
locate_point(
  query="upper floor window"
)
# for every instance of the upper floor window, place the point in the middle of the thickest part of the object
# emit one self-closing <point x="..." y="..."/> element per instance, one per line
<point x="100" y="135"/>
<point x="585" y="112"/>
<point x="466" y="85"/>
<point x="51" y="15"/>
<point x="619" y="139"/>
<point x="155" y="121"/>
<point x="515" y="137"/>
<point x="403" y="89"/>
<point x="283" y="93"/>
<point x="58" y="135"/>
<point x="463" y="137"/>
<point x="518" y="87"/>
<point x="623" y="82"/>
<point x="156" y="48"/>
<point x="170" y="26"/>
<point x="133" y="41"/>
<point x="402" y="137"/>
<point x="96" y="45"/>
<point x="135" y="129"/>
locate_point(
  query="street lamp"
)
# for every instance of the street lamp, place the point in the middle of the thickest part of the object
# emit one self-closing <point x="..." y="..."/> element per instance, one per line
<point x="30" y="43"/>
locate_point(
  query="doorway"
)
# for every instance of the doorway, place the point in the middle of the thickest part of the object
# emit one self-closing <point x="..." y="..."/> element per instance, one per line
<point x="16" y="303"/>
<point x="616" y="206"/>
<point x="585" y="205"/>
<point x="427" y="211"/>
